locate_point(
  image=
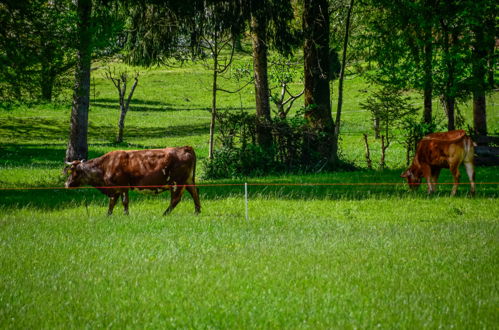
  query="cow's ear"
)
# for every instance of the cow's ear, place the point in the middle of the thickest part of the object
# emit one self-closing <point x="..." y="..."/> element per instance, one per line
<point x="405" y="174"/>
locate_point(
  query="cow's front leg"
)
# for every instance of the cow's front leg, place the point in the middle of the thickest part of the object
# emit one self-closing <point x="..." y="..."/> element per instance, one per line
<point x="112" y="203"/>
<point x="435" y="172"/>
<point x="426" y="170"/>
<point x="124" y="200"/>
<point x="176" y="196"/>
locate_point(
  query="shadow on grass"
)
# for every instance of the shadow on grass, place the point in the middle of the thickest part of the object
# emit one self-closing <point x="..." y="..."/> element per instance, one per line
<point x="52" y="199"/>
<point x="51" y="129"/>
<point x="139" y="105"/>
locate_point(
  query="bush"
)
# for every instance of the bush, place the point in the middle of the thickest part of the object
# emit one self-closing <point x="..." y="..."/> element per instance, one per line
<point x="292" y="148"/>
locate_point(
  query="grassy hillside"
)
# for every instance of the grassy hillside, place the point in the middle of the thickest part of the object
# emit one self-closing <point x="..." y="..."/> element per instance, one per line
<point x="330" y="250"/>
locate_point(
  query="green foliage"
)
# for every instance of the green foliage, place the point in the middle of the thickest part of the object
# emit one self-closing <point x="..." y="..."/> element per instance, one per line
<point x="293" y="148"/>
<point x="413" y="131"/>
<point x="36" y="48"/>
<point x="391" y="108"/>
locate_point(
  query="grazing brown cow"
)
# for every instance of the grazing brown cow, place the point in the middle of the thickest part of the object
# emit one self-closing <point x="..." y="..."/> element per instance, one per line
<point x="118" y="171"/>
<point x="442" y="150"/>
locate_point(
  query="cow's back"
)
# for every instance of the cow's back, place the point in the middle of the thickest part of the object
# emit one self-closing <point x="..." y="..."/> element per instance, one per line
<point x="445" y="149"/>
<point x="147" y="167"/>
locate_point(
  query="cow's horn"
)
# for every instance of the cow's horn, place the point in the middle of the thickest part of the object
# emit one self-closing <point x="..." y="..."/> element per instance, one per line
<point x="68" y="163"/>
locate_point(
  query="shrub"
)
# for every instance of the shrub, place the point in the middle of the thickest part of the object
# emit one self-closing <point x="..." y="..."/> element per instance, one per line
<point x="239" y="155"/>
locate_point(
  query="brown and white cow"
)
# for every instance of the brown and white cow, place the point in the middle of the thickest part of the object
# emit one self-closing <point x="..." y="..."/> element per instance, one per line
<point x="158" y="170"/>
<point x="441" y="150"/>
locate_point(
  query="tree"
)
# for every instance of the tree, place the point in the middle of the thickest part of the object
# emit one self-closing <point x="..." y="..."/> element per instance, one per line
<point x="35" y="47"/>
<point x="391" y="108"/>
<point x="181" y="30"/>
<point x="341" y="77"/>
<point x="217" y="42"/>
<point x="120" y="81"/>
<point x="258" y="28"/>
<point x="402" y="38"/>
<point x="270" y="26"/>
<point x="283" y="72"/>
<point x="481" y="17"/>
<point x="77" y="146"/>
<point x="217" y="34"/>
<point x="316" y="76"/>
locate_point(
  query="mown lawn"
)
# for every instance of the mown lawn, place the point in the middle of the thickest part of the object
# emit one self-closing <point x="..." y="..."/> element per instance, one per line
<point x="332" y="250"/>
<point x="397" y="262"/>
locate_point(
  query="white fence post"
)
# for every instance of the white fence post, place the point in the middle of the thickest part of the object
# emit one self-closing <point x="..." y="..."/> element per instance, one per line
<point x="246" y="198"/>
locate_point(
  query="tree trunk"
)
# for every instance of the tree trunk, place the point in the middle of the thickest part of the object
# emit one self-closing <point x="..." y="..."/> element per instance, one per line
<point x="448" y="100"/>
<point x="213" y="101"/>
<point x="259" y="40"/>
<point x="316" y="74"/>
<point x="47" y="71"/>
<point x="47" y="84"/>
<point x="337" y="123"/>
<point x="368" y="154"/>
<point x="479" y="61"/>
<point x="77" y="146"/>
<point x="121" y="124"/>
<point x="428" y="77"/>
<point x="450" y="106"/>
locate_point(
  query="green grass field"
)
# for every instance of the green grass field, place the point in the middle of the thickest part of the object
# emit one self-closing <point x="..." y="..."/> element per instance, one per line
<point x="361" y="252"/>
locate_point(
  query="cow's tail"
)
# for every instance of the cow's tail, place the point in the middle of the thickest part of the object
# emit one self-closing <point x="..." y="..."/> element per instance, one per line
<point x="194" y="168"/>
<point x="190" y="150"/>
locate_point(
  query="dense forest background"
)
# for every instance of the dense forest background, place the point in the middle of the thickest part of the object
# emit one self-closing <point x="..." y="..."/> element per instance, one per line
<point x="411" y="55"/>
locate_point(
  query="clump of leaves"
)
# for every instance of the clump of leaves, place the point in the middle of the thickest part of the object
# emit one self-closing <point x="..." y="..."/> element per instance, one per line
<point x="390" y="109"/>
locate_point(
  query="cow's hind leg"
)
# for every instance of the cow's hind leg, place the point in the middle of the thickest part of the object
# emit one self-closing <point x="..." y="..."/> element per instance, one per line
<point x="176" y="196"/>
<point x="470" y="170"/>
<point x="112" y="203"/>
<point x="455" y="174"/>
<point x="195" y="196"/>
<point x="124" y="200"/>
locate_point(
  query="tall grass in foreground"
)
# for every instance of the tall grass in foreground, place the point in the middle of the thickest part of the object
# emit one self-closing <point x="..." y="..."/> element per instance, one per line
<point x="398" y="262"/>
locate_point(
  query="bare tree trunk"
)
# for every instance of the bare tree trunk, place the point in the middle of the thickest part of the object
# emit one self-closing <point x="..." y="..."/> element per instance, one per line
<point x="384" y="146"/>
<point x="259" y="40"/>
<point x="450" y="109"/>
<point x="47" y="84"/>
<point x="376" y="127"/>
<point x="428" y="77"/>
<point x="479" y="72"/>
<point x="316" y="74"/>
<point x="77" y="146"/>
<point x="121" y="124"/>
<point x="125" y="105"/>
<point x="341" y="78"/>
<point x="213" y="100"/>
<point x="368" y="154"/>
<point x="449" y="100"/>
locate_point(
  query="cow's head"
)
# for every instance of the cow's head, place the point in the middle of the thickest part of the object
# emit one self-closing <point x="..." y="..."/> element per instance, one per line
<point x="75" y="172"/>
<point x="413" y="178"/>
